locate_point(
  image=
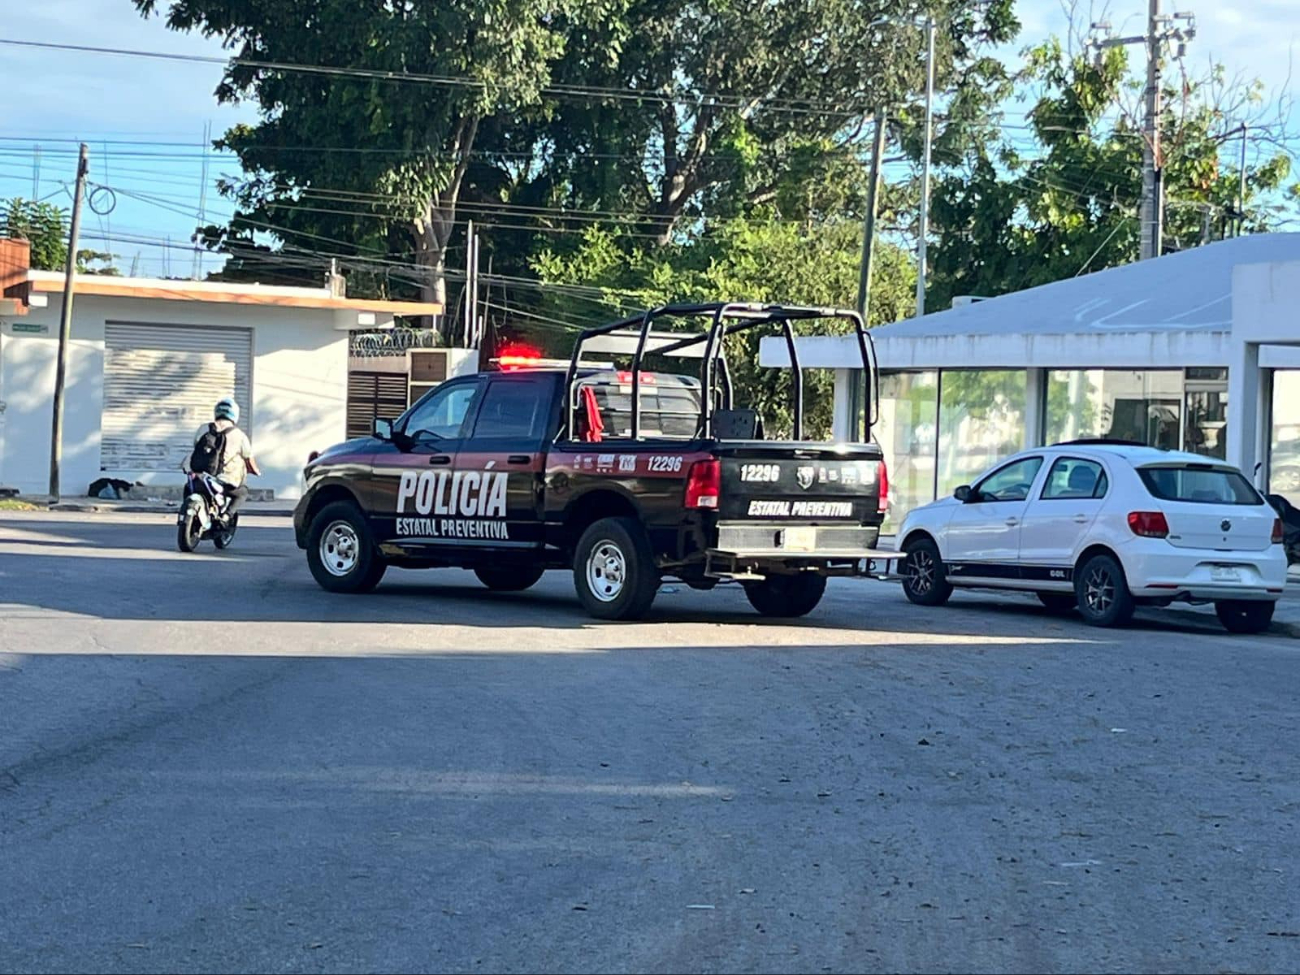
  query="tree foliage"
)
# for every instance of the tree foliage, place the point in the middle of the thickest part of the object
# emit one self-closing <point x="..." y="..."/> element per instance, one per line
<point x="45" y="227"/>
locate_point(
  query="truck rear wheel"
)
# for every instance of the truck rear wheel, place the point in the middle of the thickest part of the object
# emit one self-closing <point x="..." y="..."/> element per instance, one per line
<point x="613" y="570"/>
<point x="508" y="578"/>
<point x="787" y="596"/>
<point x="340" y="552"/>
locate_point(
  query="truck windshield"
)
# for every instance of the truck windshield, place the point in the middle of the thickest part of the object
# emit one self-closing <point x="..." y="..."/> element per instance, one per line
<point x="1199" y="484"/>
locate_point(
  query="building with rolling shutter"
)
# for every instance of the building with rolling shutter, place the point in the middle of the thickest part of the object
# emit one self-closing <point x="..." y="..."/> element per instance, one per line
<point x="149" y="358"/>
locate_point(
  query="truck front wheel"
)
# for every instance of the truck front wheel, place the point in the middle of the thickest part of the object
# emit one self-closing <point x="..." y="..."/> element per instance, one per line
<point x="340" y="552"/>
<point x="787" y="596"/>
<point x="613" y="570"/>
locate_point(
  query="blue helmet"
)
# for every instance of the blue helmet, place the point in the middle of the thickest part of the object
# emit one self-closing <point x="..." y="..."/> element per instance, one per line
<point x="226" y="409"/>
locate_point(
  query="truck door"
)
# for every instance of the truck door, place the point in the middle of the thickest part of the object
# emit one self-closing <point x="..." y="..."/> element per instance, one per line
<point x="411" y="487"/>
<point x="500" y="465"/>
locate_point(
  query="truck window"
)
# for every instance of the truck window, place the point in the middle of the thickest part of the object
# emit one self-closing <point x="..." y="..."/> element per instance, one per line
<point x="441" y="414"/>
<point x="513" y="409"/>
<point x="669" y="409"/>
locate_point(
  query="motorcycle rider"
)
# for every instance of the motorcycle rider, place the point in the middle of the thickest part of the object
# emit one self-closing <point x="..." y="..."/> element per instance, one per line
<point x="235" y="461"/>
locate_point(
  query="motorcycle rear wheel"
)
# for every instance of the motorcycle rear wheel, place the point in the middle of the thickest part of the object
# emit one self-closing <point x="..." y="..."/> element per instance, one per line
<point x="189" y="531"/>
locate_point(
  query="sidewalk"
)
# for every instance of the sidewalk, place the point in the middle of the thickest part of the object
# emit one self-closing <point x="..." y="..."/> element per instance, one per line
<point x="160" y="506"/>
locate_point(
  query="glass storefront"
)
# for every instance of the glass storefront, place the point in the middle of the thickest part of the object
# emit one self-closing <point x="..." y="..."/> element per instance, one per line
<point x="1115" y="404"/>
<point x="981" y="420"/>
<point x="1284" y="441"/>
<point x="906" y="432"/>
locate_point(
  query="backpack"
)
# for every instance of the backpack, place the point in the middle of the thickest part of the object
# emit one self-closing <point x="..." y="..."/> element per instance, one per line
<point x="209" y="451"/>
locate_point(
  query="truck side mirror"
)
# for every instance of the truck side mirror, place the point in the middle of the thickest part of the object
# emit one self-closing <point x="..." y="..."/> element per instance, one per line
<point x="384" y="429"/>
<point x="963" y="493"/>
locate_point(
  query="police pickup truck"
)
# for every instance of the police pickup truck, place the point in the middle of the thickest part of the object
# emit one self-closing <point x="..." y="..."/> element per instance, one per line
<point x="623" y="476"/>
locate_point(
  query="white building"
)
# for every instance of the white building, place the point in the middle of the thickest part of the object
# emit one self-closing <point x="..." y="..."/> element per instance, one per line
<point x="1153" y="351"/>
<point x="149" y="358"/>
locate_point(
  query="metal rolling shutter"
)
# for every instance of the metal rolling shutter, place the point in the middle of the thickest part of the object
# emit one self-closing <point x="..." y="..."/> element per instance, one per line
<point x="160" y="382"/>
<point x="372" y="396"/>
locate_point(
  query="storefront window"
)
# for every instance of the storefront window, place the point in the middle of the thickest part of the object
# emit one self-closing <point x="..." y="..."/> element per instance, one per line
<point x="1114" y="404"/>
<point x="906" y="431"/>
<point x="1284" y="452"/>
<point x="981" y="421"/>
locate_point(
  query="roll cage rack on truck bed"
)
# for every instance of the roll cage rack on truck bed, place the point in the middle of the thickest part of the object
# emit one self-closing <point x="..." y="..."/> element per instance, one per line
<point x="635" y="336"/>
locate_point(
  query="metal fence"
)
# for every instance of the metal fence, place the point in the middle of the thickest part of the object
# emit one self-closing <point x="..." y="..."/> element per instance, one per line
<point x="382" y="342"/>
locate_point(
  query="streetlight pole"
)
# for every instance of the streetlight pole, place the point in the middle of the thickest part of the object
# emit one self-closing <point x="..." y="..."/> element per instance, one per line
<point x="869" y="224"/>
<point x="924" y="221"/>
<point x="65" y="324"/>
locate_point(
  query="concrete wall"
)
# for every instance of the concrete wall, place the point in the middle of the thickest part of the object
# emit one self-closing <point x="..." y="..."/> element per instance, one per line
<point x="299" y="388"/>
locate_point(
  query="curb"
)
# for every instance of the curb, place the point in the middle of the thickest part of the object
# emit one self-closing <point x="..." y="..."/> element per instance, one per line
<point x="150" y="509"/>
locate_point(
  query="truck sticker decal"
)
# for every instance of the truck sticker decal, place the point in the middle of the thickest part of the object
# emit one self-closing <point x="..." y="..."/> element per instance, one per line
<point x="464" y="493"/>
<point x="760" y="472"/>
<point x="452" y="528"/>
<point x="666" y="462"/>
<point x="801" y="509"/>
<point x="627" y="463"/>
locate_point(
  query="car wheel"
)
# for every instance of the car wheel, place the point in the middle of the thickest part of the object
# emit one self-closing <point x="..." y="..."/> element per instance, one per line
<point x="787" y="596"/>
<point x="1058" y="602"/>
<point x="340" y="551"/>
<point x="1239" y="616"/>
<point x="613" y="570"/>
<point x="508" y="578"/>
<point x="925" y="580"/>
<point x="1102" y="592"/>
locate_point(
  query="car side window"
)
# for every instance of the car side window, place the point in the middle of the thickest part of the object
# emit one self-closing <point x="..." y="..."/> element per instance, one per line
<point x="513" y="409"/>
<point x="1010" y="483"/>
<point x="441" y="415"/>
<point x="1072" y="478"/>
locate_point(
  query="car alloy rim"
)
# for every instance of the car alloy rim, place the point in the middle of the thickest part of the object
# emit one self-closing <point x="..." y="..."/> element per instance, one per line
<point x="1099" y="590"/>
<point x="606" y="571"/>
<point x="340" y="548"/>
<point x="921" y="571"/>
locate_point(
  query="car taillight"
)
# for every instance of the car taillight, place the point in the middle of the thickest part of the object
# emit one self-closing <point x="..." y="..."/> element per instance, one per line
<point x="882" y="502"/>
<point x="703" y="483"/>
<point x="1148" y="524"/>
<point x="1277" y="531"/>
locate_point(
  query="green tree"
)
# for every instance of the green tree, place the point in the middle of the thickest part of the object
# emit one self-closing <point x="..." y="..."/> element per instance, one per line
<point x="355" y="162"/>
<point x="1011" y="214"/>
<point x="749" y="260"/>
<point x="45" y="227"/>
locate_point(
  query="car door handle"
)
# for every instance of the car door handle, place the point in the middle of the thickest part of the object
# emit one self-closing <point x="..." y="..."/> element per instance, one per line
<point x="518" y="459"/>
<point x="1012" y="522"/>
<point x="1080" y="519"/>
<point x="440" y="459"/>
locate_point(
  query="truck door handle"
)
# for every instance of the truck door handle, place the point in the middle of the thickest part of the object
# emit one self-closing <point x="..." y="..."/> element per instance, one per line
<point x="440" y="459"/>
<point x="518" y="459"/>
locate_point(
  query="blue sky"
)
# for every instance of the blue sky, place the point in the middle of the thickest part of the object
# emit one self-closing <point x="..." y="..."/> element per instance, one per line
<point x="69" y="96"/>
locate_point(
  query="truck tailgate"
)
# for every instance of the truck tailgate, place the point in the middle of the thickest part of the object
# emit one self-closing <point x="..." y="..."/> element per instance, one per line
<point x="799" y="483"/>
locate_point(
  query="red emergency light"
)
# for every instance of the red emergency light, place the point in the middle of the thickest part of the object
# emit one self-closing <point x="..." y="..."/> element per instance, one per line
<point x="518" y="356"/>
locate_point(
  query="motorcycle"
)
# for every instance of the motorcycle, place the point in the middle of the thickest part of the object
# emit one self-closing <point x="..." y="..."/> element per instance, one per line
<point x="203" y="514"/>
<point x="1290" y="516"/>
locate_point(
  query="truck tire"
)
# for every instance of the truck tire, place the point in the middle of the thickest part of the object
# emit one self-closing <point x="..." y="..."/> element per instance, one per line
<point x="1103" y="593"/>
<point x="925" y="580"/>
<point x="508" y="578"/>
<point x="787" y="596"/>
<point x="340" y="551"/>
<point x="613" y="570"/>
<point x="1240" y="616"/>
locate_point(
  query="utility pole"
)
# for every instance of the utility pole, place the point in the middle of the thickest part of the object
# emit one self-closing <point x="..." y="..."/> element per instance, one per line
<point x="924" y="221"/>
<point x="1161" y="30"/>
<point x="1241" y="186"/>
<point x="869" y="224"/>
<point x="65" y="324"/>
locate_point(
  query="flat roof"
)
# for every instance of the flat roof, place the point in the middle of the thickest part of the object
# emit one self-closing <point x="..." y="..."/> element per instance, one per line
<point x="228" y="292"/>
<point x="1174" y="311"/>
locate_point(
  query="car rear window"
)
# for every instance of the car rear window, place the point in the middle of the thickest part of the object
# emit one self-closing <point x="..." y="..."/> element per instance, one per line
<point x="1198" y="485"/>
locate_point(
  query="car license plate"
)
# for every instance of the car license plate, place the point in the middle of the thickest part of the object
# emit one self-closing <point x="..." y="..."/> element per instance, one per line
<point x="800" y="539"/>
<point x="1225" y="573"/>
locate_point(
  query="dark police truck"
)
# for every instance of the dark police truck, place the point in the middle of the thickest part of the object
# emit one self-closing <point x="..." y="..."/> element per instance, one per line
<point x="624" y="476"/>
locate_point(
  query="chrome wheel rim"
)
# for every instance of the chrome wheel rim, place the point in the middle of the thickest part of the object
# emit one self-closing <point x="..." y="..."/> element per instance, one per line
<point x="1099" y="590"/>
<point x="920" y="571"/>
<point x="340" y="548"/>
<point x="606" y="571"/>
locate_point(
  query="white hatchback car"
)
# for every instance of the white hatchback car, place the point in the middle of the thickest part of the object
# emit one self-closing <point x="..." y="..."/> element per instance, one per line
<point x="1105" y="527"/>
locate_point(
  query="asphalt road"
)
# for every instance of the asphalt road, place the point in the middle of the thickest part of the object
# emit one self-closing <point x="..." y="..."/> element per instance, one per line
<point x="206" y="763"/>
